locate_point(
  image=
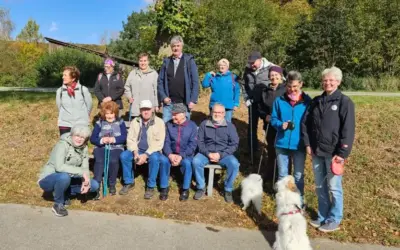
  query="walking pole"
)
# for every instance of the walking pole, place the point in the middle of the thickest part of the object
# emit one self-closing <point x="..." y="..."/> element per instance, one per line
<point x="262" y="152"/>
<point x="130" y="113"/>
<point x="251" y="135"/>
<point x="106" y="164"/>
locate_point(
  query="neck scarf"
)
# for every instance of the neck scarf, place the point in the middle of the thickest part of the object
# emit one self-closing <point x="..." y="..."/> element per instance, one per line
<point x="71" y="89"/>
<point x="293" y="99"/>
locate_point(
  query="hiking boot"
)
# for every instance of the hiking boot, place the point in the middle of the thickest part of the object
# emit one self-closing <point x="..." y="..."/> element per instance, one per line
<point x="315" y="223"/>
<point x="199" y="194"/>
<point x="228" y="197"/>
<point x="149" y="193"/>
<point x="184" y="195"/>
<point x="125" y="189"/>
<point x="112" y="190"/>
<point x="329" y="226"/>
<point x="164" y="194"/>
<point x="59" y="210"/>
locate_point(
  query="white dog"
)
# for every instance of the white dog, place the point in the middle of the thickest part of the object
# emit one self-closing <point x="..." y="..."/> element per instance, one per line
<point x="292" y="229"/>
<point x="252" y="191"/>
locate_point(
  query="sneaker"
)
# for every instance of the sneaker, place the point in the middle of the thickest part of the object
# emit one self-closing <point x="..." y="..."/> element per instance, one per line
<point x="59" y="210"/>
<point x="149" y="193"/>
<point x="228" y="197"/>
<point x="67" y="202"/>
<point x="125" y="189"/>
<point x="97" y="196"/>
<point x="112" y="190"/>
<point x="199" y="194"/>
<point x="164" y="194"/>
<point x="315" y="223"/>
<point x="329" y="226"/>
<point x="184" y="195"/>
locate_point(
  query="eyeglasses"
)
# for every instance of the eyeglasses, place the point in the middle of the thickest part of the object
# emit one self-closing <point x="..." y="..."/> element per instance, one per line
<point x="219" y="113"/>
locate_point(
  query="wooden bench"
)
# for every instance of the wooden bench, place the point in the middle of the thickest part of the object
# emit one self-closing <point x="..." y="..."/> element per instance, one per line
<point x="214" y="168"/>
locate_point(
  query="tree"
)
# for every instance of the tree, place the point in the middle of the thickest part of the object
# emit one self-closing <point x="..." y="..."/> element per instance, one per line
<point x="6" y="25"/>
<point x="30" y="33"/>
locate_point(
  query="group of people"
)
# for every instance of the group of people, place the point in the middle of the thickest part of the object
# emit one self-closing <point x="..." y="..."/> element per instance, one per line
<point x="295" y="125"/>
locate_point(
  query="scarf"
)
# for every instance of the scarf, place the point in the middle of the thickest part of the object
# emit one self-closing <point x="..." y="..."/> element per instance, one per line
<point x="293" y="99"/>
<point x="71" y="89"/>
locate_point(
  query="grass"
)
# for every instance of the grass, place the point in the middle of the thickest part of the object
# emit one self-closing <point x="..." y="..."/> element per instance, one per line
<point x="28" y="125"/>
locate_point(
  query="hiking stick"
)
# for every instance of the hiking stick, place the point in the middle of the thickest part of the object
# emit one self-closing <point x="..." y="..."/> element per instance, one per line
<point x="106" y="165"/>
<point x="251" y="135"/>
<point x="262" y="152"/>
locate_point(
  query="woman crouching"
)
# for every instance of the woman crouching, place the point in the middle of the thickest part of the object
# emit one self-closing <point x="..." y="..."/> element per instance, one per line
<point x="108" y="132"/>
<point x="67" y="171"/>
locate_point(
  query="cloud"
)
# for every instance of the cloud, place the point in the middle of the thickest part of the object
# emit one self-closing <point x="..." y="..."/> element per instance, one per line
<point x="53" y="27"/>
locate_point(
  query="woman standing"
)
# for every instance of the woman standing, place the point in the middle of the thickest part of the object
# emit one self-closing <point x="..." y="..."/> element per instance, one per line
<point x="141" y="85"/>
<point x="73" y="100"/>
<point x="224" y="88"/>
<point x="287" y="114"/>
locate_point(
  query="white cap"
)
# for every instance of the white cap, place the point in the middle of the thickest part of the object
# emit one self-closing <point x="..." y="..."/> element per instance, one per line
<point x="145" y="104"/>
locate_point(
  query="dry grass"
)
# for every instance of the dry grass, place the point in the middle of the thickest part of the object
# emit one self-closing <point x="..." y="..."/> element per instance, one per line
<point x="371" y="182"/>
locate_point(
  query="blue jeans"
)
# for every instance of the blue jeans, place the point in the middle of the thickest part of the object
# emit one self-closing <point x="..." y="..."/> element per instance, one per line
<point x="229" y="162"/>
<point x="299" y="158"/>
<point x="155" y="165"/>
<point x="167" y="113"/>
<point x="63" y="184"/>
<point x="185" y="167"/>
<point x="327" y="183"/>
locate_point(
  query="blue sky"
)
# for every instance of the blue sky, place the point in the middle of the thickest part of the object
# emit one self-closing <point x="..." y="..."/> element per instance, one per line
<point x="78" y="21"/>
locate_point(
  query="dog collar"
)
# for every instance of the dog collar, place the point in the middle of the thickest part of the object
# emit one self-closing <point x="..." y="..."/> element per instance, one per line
<point x="292" y="212"/>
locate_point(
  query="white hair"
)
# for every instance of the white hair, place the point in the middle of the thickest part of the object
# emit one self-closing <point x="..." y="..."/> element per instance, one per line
<point x="218" y="105"/>
<point x="223" y="61"/>
<point x="336" y="72"/>
<point x="81" y="130"/>
<point x="176" y="39"/>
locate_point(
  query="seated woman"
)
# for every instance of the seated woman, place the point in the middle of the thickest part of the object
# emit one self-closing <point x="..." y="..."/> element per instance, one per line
<point x="67" y="171"/>
<point x="224" y="88"/>
<point x="108" y="131"/>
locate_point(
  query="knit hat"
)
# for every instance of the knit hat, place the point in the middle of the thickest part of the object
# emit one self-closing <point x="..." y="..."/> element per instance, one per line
<point x="110" y="62"/>
<point x="179" y="108"/>
<point x="276" y="69"/>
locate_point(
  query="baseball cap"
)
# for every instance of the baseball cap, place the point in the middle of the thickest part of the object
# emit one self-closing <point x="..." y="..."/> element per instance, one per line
<point x="145" y="104"/>
<point x="254" y="56"/>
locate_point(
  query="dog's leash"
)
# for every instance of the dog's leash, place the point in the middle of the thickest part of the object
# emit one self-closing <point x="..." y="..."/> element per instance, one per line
<point x="262" y="152"/>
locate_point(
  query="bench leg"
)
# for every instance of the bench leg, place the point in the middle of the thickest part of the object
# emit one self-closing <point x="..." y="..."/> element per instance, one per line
<point x="210" y="182"/>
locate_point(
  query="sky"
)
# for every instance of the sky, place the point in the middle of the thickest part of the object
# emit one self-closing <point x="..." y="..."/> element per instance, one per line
<point x="77" y="21"/>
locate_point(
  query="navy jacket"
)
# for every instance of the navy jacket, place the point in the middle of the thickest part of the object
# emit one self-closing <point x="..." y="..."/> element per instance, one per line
<point x="180" y="139"/>
<point x="282" y="112"/>
<point x="113" y="88"/>
<point x="221" y="139"/>
<point x="120" y="134"/>
<point x="329" y="125"/>
<point x="191" y="79"/>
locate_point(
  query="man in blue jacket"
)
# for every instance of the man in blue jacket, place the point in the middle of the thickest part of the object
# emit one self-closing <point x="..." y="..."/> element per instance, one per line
<point x="180" y="145"/>
<point x="178" y="81"/>
<point x="217" y="141"/>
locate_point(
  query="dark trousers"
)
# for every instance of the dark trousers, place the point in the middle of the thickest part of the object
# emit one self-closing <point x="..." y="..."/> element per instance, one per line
<point x="253" y="119"/>
<point x="271" y="162"/>
<point x="64" y="130"/>
<point x="113" y="165"/>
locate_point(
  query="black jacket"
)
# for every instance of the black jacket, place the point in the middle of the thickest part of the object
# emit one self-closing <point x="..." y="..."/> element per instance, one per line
<point x="113" y="88"/>
<point x="265" y="96"/>
<point x="329" y="125"/>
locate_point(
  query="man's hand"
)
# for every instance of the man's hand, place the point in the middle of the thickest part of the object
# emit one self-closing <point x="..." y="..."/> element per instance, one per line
<point x="157" y="109"/>
<point x="142" y="159"/>
<point x="248" y="103"/>
<point x="130" y="100"/>
<point x="285" y="125"/>
<point x="191" y="105"/>
<point x="268" y="118"/>
<point x="338" y="159"/>
<point x="167" y="100"/>
<point x="178" y="160"/>
<point x="107" y="99"/>
<point x="214" y="157"/>
<point x="308" y="150"/>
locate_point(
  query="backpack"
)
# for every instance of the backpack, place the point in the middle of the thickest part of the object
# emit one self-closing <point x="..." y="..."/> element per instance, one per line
<point x="83" y="95"/>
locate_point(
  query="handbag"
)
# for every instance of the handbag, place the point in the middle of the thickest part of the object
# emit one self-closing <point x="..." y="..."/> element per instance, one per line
<point x="337" y="167"/>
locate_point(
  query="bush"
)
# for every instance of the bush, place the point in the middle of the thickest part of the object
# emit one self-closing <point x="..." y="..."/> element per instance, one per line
<point x="49" y="67"/>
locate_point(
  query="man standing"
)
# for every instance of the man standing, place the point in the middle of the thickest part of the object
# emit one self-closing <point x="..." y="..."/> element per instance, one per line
<point x="256" y="76"/>
<point x="145" y="141"/>
<point x="180" y="146"/>
<point x="217" y="141"/>
<point x="178" y="81"/>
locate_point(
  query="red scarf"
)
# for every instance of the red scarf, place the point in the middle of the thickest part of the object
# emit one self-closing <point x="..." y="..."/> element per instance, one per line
<point x="294" y="99"/>
<point x="71" y="89"/>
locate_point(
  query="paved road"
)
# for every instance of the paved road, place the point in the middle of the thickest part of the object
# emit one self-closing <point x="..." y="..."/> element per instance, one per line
<point x="313" y="93"/>
<point x="26" y="227"/>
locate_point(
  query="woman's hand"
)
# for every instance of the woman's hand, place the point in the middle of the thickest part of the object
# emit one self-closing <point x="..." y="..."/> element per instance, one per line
<point x="130" y="100"/>
<point x="308" y="150"/>
<point x="212" y="73"/>
<point x="285" y="125"/>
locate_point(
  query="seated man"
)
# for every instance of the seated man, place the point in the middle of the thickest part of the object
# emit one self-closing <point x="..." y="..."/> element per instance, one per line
<point x="180" y="145"/>
<point x="145" y="141"/>
<point x="217" y="141"/>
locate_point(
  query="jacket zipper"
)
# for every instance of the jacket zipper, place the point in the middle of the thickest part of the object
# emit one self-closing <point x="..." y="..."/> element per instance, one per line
<point x="178" y="144"/>
<point x="108" y="84"/>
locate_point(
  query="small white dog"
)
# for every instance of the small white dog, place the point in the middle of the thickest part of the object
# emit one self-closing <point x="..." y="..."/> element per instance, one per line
<point x="252" y="191"/>
<point x="292" y="229"/>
